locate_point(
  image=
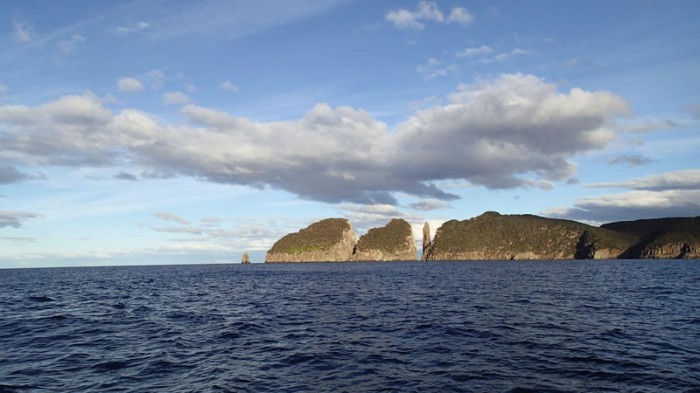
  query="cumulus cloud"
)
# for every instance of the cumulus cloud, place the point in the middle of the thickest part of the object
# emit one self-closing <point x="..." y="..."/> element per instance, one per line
<point x="427" y="11"/>
<point x="176" y="98"/>
<point x="23" y="31"/>
<point x="460" y="15"/>
<point x="15" y="219"/>
<point x="405" y="19"/>
<point x="495" y="131"/>
<point x="515" y="131"/>
<point x="129" y="85"/>
<point x="228" y="86"/>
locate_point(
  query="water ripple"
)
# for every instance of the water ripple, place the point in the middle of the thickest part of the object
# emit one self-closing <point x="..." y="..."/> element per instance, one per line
<point x="397" y="327"/>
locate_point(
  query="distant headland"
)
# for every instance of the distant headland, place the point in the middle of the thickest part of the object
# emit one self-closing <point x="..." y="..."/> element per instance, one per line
<point x="493" y="236"/>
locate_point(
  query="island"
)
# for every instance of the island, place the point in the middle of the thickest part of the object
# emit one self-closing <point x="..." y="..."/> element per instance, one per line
<point x="493" y="236"/>
<point x="392" y="242"/>
<point x="329" y="240"/>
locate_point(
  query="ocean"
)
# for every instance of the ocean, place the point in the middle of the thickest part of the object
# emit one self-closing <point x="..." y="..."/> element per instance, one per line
<point x="545" y="326"/>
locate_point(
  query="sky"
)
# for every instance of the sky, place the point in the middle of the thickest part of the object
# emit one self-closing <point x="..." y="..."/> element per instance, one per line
<point x="168" y="132"/>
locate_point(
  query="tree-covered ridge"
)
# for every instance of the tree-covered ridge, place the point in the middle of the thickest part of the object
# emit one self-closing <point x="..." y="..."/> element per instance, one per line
<point x="318" y="236"/>
<point x="390" y="238"/>
<point x="660" y="230"/>
<point x="498" y="233"/>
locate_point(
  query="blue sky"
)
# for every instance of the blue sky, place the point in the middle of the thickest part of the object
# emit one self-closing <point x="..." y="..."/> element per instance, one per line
<point x="190" y="132"/>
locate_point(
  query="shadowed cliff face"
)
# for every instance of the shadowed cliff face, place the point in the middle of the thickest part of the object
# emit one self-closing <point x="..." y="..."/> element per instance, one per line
<point x="662" y="237"/>
<point x="393" y="242"/>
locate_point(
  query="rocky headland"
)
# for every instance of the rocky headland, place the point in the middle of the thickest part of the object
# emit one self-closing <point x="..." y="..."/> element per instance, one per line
<point x="392" y="242"/>
<point x="329" y="240"/>
<point x="493" y="236"/>
<point x="662" y="238"/>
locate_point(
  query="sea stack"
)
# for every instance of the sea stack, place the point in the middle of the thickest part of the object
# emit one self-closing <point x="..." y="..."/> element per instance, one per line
<point x="329" y="240"/>
<point x="392" y="242"/>
<point x="245" y="259"/>
<point x="426" y="236"/>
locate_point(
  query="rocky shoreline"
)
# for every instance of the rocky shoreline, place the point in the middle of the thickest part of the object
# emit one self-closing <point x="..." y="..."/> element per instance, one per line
<point x="492" y="236"/>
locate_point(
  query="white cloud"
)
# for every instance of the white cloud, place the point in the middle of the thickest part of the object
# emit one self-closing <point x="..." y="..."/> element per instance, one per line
<point x="460" y="15"/>
<point x="515" y="131"/>
<point x="427" y="11"/>
<point x="3" y="88"/>
<point x="137" y="27"/>
<point x="228" y="86"/>
<point x="176" y="98"/>
<point x="129" y="85"/>
<point x="507" y="55"/>
<point x="434" y="69"/>
<point x="23" y="32"/>
<point x="633" y="205"/>
<point x="475" y="51"/>
<point x="15" y="219"/>
<point x="669" y="194"/>
<point x="487" y="54"/>
<point x="414" y="20"/>
<point x="687" y="179"/>
<point x="67" y="46"/>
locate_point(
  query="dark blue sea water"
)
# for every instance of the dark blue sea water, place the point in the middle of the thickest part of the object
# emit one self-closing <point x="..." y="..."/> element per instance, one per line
<point x="575" y="326"/>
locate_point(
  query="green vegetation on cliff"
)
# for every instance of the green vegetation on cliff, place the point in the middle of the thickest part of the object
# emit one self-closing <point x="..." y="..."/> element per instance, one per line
<point x="660" y="230"/>
<point x="677" y="237"/>
<point x="390" y="238"/>
<point x="316" y="237"/>
<point x="497" y="236"/>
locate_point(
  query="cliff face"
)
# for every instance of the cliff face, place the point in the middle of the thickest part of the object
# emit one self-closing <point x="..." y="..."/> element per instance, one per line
<point x="662" y="237"/>
<point x="393" y="242"/>
<point x="329" y="240"/>
<point x="492" y="236"/>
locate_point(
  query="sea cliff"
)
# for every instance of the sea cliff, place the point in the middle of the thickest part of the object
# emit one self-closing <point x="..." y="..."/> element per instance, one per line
<point x="329" y="240"/>
<point x="392" y="242"/>
<point x="659" y="238"/>
<point x="492" y="236"/>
